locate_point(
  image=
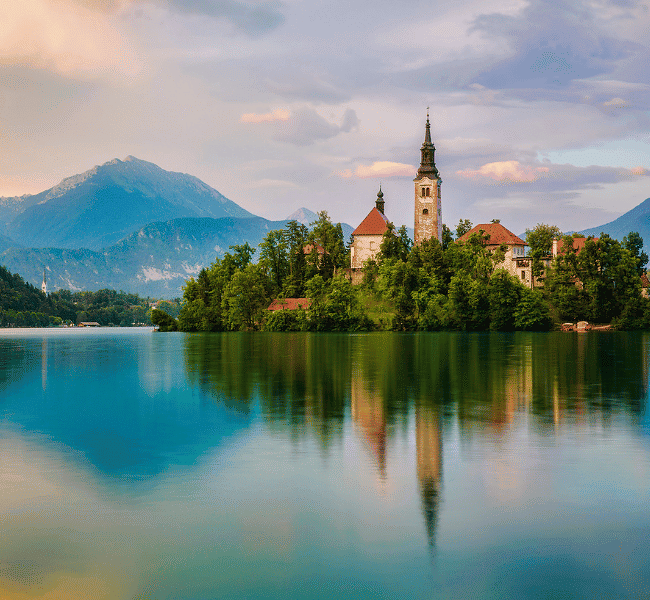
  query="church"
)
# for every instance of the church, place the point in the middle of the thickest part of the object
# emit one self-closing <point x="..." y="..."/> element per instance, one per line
<point x="428" y="211"/>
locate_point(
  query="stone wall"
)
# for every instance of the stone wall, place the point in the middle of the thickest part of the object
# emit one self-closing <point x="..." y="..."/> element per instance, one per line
<point x="363" y="248"/>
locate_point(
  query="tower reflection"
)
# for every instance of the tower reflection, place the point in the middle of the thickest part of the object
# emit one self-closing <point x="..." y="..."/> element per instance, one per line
<point x="428" y="444"/>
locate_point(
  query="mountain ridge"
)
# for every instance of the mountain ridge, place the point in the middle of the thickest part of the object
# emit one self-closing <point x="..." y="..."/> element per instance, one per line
<point x="97" y="208"/>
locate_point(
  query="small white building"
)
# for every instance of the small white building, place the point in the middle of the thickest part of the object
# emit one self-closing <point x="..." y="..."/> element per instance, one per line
<point x="368" y="235"/>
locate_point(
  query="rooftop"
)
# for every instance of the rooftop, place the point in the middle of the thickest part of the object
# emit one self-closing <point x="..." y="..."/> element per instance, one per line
<point x="498" y="235"/>
<point x="289" y="303"/>
<point x="375" y="223"/>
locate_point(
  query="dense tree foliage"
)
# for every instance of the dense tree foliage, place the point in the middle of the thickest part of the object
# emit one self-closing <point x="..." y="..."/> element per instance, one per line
<point x="23" y="305"/>
<point x="428" y="287"/>
<point x="540" y="243"/>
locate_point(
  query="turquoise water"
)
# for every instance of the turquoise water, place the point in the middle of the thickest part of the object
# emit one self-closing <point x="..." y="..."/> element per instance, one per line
<point x="136" y="464"/>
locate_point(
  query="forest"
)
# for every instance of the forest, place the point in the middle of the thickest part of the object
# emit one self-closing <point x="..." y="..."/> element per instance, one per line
<point x="434" y="286"/>
<point x="23" y="305"/>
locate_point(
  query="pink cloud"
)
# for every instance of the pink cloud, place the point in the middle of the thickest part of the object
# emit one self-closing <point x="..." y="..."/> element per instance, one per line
<point x="381" y="168"/>
<point x="65" y="37"/>
<point x="278" y="114"/>
<point x="506" y="171"/>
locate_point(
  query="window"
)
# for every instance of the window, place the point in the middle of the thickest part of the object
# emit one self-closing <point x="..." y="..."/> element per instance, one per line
<point x="428" y="192"/>
<point x="423" y="192"/>
<point x="523" y="274"/>
<point x="425" y="211"/>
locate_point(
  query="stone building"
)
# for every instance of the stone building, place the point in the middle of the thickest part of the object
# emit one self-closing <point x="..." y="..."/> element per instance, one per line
<point x="367" y="236"/>
<point x="515" y="261"/>
<point x="428" y="207"/>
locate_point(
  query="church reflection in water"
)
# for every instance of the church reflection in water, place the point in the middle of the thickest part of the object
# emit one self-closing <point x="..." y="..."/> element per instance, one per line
<point x="428" y="446"/>
<point x="368" y="410"/>
<point x="422" y="388"/>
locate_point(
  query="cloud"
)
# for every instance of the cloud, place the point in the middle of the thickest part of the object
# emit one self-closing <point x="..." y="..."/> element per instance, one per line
<point x="350" y="121"/>
<point x="553" y="43"/>
<point x="505" y="172"/>
<point x="254" y="19"/>
<point x="278" y="114"/>
<point x="380" y="169"/>
<point x="548" y="176"/>
<point x="64" y="37"/>
<point x="305" y="126"/>
<point x="639" y="171"/>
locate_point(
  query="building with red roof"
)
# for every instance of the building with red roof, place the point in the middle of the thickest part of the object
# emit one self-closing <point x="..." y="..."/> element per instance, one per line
<point x="578" y="245"/>
<point x="368" y="235"/>
<point x="515" y="261"/>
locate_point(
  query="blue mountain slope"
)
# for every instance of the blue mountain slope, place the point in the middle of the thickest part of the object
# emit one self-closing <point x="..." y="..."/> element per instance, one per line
<point x="99" y="207"/>
<point x="155" y="260"/>
<point x="637" y="219"/>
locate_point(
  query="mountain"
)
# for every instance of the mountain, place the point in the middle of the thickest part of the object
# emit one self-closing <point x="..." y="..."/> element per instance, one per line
<point x="154" y="261"/>
<point x="637" y="219"/>
<point x="303" y="215"/>
<point x="6" y="242"/>
<point x="101" y="206"/>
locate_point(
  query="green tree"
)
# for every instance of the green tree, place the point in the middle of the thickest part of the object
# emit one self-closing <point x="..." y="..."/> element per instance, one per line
<point x="274" y="258"/>
<point x="532" y="312"/>
<point x="394" y="245"/>
<point x="296" y="239"/>
<point x="504" y="295"/>
<point x="447" y="237"/>
<point x="244" y="299"/>
<point x="164" y="321"/>
<point x="464" y="225"/>
<point x="335" y="306"/>
<point x="634" y="243"/>
<point x="540" y="241"/>
<point x="330" y="237"/>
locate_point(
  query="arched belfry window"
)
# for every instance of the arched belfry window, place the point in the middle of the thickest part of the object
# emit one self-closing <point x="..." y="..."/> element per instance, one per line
<point x="425" y="211"/>
<point x="428" y="192"/>
<point x="423" y="190"/>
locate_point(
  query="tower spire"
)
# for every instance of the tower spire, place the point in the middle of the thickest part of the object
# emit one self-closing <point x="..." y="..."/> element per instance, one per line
<point x="428" y="153"/>
<point x="380" y="200"/>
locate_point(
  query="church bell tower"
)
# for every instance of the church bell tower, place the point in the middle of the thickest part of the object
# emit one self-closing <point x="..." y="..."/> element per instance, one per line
<point x="428" y="208"/>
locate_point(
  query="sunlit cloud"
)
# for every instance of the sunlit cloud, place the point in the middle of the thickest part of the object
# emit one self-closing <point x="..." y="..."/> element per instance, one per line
<point x="639" y="171"/>
<point x="278" y="114"/>
<point x="505" y="172"/>
<point x="616" y="103"/>
<point x="66" y="37"/>
<point x="382" y="168"/>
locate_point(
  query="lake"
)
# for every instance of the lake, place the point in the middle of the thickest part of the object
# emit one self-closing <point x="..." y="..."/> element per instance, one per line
<point x="138" y="465"/>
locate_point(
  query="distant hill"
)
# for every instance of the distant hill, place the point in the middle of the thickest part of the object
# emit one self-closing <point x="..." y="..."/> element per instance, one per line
<point x="101" y="206"/>
<point x="154" y="261"/>
<point x="637" y="219"/>
<point x="305" y="216"/>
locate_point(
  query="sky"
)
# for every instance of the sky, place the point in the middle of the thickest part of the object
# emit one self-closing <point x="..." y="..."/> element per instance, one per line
<point x="540" y="109"/>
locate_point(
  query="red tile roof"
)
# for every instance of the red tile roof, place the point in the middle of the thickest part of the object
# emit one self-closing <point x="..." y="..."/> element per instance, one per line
<point x="289" y="303"/>
<point x="578" y="244"/>
<point x="309" y="247"/>
<point x="375" y="223"/>
<point x="498" y="235"/>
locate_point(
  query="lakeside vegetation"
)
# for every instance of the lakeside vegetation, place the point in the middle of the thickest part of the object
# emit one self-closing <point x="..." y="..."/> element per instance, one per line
<point x="23" y="305"/>
<point x="433" y="286"/>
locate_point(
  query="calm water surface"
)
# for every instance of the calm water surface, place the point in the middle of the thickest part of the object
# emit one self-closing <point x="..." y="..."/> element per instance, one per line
<point x="170" y="466"/>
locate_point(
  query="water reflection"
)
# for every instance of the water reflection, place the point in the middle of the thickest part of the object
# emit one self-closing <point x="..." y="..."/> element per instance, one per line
<point x="273" y="465"/>
<point x="396" y="385"/>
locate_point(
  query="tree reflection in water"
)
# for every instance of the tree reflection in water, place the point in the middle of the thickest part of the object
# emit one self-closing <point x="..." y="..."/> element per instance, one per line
<point x="307" y="385"/>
